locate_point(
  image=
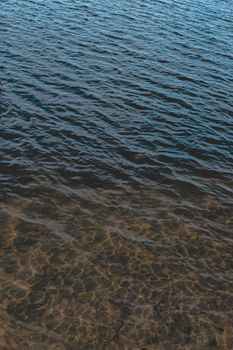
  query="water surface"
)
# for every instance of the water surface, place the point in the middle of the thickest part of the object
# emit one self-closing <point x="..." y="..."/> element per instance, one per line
<point x="116" y="179"/>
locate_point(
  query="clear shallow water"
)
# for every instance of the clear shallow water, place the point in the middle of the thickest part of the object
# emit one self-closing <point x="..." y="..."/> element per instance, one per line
<point x="116" y="178"/>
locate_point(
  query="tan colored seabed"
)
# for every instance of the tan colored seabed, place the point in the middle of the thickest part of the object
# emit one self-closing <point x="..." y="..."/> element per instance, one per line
<point x="105" y="270"/>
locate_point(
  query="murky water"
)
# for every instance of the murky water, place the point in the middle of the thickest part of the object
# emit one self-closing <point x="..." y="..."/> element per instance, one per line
<point x="116" y="174"/>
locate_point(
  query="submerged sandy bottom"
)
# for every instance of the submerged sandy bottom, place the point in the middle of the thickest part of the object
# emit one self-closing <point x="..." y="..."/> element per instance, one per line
<point x="114" y="270"/>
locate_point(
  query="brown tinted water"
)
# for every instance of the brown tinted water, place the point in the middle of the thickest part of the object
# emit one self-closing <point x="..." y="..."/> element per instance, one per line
<point x="116" y="180"/>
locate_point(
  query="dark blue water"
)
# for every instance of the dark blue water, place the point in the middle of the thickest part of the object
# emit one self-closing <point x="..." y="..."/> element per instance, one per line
<point x="116" y="174"/>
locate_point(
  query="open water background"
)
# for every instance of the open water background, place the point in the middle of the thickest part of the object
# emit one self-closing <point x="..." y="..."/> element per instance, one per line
<point x="116" y="174"/>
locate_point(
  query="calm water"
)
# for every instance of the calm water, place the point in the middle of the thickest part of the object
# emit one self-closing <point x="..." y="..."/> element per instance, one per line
<point x="116" y="174"/>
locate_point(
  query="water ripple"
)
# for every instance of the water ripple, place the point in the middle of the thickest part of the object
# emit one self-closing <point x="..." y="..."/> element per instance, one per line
<point x="116" y="177"/>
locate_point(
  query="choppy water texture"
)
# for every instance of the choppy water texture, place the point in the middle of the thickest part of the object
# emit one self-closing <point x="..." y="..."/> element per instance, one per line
<point x="116" y="179"/>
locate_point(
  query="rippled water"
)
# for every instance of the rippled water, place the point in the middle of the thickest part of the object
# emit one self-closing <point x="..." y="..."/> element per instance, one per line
<point x="116" y="178"/>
